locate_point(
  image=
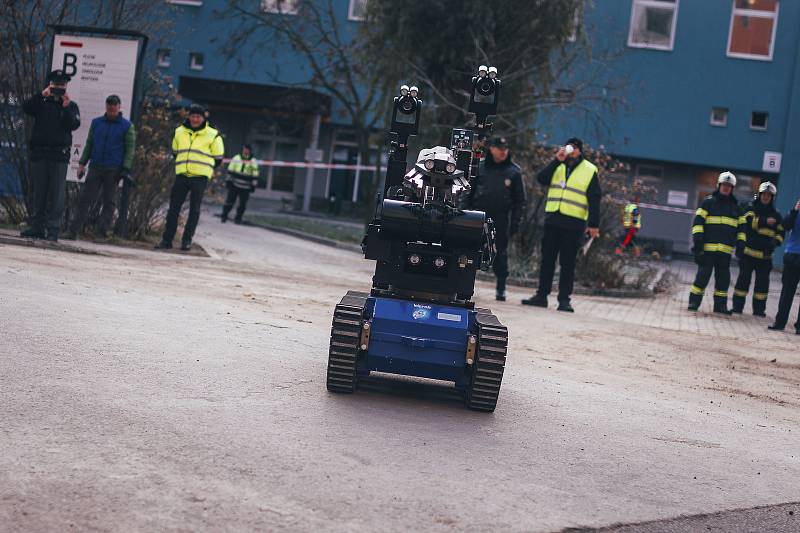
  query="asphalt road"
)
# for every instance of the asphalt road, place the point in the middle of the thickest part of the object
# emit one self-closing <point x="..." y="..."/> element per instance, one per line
<point x="152" y="391"/>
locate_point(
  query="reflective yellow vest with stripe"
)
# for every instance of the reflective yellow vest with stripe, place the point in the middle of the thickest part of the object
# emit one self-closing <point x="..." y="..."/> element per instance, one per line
<point x="631" y="220"/>
<point x="247" y="167"/>
<point x="197" y="151"/>
<point x="568" y="195"/>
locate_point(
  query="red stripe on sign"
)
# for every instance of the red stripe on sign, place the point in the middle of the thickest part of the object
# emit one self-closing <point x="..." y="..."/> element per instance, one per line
<point x="72" y="44"/>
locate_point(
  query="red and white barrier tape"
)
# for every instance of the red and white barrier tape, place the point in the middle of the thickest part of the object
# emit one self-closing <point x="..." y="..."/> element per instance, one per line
<point x="304" y="164"/>
<point x="667" y="208"/>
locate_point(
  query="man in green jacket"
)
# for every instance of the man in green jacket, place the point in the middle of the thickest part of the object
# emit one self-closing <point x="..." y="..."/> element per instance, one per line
<point x="109" y="149"/>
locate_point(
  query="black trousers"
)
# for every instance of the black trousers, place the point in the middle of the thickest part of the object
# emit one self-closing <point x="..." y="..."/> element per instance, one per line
<point x="762" y="268"/>
<point x="195" y="187"/>
<point x="563" y="244"/>
<point x="233" y="193"/>
<point x="49" y="183"/>
<point x="719" y="264"/>
<point x="99" y="180"/>
<point x="790" y="279"/>
<point x="500" y="265"/>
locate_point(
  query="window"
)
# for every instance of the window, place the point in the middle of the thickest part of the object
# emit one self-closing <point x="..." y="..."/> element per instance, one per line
<point x="357" y="10"/>
<point x="649" y="174"/>
<point x="719" y="116"/>
<point x="758" y="121"/>
<point x="753" y="25"/>
<point x="281" y="7"/>
<point x="163" y="57"/>
<point x="196" y="3"/>
<point x="653" y="24"/>
<point x="196" y="61"/>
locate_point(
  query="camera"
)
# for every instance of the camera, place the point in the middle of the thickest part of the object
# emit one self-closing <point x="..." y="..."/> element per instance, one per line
<point x="568" y="149"/>
<point x="58" y="91"/>
<point x="485" y="93"/>
<point x="405" y="112"/>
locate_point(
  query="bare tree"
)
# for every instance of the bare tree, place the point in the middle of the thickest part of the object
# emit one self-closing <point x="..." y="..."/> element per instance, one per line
<point x="336" y="62"/>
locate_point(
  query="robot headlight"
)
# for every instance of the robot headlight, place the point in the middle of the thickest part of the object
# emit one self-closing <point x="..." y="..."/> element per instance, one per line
<point x="439" y="262"/>
<point x="413" y="91"/>
<point x="493" y="72"/>
<point x="450" y="168"/>
<point x="403" y="90"/>
<point x="414" y="259"/>
<point x="429" y="164"/>
<point x="482" y="71"/>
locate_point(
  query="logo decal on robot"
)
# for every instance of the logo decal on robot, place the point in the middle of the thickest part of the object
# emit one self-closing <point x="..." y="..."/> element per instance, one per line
<point x="421" y="312"/>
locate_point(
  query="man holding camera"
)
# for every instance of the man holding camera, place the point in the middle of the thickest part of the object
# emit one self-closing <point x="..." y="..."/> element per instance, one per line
<point x="110" y="147"/>
<point x="791" y="272"/>
<point x="198" y="149"/>
<point x="500" y="193"/>
<point x="241" y="181"/>
<point x="760" y="232"/>
<point x="715" y="233"/>
<point x="55" y="118"/>
<point x="573" y="203"/>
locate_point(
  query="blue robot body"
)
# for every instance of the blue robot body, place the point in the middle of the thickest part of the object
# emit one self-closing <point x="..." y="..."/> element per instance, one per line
<point x="418" y="339"/>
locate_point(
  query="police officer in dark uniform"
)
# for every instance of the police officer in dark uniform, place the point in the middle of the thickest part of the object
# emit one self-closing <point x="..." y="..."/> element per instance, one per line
<point x="500" y="193"/>
<point x="55" y="118"/>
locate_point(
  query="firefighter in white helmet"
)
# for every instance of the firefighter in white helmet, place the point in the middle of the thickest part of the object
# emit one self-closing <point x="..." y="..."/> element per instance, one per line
<point x="760" y="232"/>
<point x="714" y="232"/>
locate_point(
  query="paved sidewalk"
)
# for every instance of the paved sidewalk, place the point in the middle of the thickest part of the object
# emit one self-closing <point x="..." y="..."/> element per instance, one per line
<point x="669" y="311"/>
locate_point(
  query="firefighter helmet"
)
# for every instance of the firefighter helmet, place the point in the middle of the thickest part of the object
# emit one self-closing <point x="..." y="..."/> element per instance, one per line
<point x="769" y="187"/>
<point x="727" y="177"/>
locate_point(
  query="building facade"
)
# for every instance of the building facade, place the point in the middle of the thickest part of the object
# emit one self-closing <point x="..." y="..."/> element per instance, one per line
<point x="707" y="86"/>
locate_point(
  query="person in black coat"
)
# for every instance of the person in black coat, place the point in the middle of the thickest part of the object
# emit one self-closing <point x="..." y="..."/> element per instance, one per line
<point x="55" y="118"/>
<point x="500" y="192"/>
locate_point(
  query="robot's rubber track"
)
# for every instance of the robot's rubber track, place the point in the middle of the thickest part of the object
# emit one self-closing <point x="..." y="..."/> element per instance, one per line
<point x="490" y="361"/>
<point x="345" y="339"/>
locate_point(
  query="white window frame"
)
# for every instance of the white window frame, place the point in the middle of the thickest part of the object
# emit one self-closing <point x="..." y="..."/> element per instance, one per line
<point x="654" y="3"/>
<point x="160" y="61"/>
<point x="350" y="15"/>
<point x="574" y="25"/>
<point x="292" y="9"/>
<point x="192" y="64"/>
<point x="737" y="11"/>
<point x="723" y="123"/>
<point x="193" y="3"/>
<point x="766" y="121"/>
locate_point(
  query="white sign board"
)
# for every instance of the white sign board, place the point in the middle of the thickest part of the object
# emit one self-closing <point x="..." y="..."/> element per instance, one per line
<point x="772" y="162"/>
<point x="678" y="198"/>
<point x="98" y="67"/>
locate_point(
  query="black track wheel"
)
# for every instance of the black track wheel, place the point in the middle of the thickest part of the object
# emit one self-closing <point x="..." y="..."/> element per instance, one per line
<point x="490" y="361"/>
<point x="348" y="318"/>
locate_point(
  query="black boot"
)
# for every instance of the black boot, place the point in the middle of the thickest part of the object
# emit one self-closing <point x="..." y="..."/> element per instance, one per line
<point x="760" y="308"/>
<point x="500" y="293"/>
<point x="694" y="301"/>
<point x="32" y="233"/>
<point x="721" y="305"/>
<point x="564" y="305"/>
<point x="776" y="327"/>
<point x="537" y="300"/>
<point x="163" y="245"/>
<point x="186" y="245"/>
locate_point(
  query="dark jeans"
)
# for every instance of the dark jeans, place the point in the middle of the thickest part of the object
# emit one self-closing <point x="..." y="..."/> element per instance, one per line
<point x="49" y="183"/>
<point x="762" y="268"/>
<point x="563" y="244"/>
<point x="719" y="264"/>
<point x="99" y="179"/>
<point x="500" y="265"/>
<point x="790" y="279"/>
<point x="184" y="185"/>
<point x="233" y="193"/>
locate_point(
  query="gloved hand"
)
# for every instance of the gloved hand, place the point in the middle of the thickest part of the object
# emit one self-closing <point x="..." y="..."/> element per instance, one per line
<point x="699" y="254"/>
<point x="739" y="251"/>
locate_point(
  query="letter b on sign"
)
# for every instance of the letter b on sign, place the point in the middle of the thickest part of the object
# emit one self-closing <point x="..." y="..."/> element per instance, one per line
<point x="70" y="67"/>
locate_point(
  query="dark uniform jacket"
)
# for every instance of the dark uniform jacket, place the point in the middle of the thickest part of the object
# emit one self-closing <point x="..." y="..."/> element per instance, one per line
<point x="499" y="191"/>
<point x="716" y="224"/>
<point x="593" y="195"/>
<point x="52" y="128"/>
<point x="756" y="238"/>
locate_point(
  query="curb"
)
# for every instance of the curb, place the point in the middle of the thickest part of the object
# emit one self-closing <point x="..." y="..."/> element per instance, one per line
<point x="306" y="236"/>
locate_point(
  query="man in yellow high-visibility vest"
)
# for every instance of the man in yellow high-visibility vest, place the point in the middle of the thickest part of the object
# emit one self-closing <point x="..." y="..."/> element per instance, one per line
<point x="573" y="204"/>
<point x="241" y="181"/>
<point x="198" y="150"/>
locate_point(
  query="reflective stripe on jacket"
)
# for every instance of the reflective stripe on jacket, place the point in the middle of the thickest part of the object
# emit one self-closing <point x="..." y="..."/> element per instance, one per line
<point x="242" y="172"/>
<point x="196" y="152"/>
<point x="755" y="234"/>
<point x="716" y="224"/>
<point x="567" y="195"/>
<point x="632" y="217"/>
